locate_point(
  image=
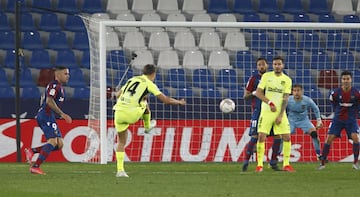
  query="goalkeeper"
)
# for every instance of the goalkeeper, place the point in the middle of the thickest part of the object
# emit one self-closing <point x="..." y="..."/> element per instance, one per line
<point x="297" y="110"/>
<point x="131" y="105"/>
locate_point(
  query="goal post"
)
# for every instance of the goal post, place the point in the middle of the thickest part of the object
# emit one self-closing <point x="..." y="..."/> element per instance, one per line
<point x="199" y="131"/>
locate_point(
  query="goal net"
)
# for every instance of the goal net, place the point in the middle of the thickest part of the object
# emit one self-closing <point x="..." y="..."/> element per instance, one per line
<point x="205" y="62"/>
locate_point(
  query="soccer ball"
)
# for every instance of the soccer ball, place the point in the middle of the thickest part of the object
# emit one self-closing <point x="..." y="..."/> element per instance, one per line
<point x="227" y="105"/>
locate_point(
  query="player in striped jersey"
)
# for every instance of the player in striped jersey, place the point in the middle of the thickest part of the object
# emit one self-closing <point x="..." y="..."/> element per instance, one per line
<point x="345" y="101"/>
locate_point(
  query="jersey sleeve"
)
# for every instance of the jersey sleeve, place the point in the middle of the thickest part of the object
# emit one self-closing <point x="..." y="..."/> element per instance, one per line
<point x="153" y="89"/>
<point x="52" y="90"/>
<point x="288" y="86"/>
<point x="250" y="85"/>
<point x="314" y="107"/>
<point x="263" y="80"/>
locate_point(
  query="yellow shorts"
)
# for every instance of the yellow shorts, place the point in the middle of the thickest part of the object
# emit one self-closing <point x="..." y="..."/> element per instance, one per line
<point x="267" y="121"/>
<point x="124" y="117"/>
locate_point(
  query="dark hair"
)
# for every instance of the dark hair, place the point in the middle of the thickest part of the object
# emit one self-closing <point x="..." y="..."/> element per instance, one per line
<point x="58" y="68"/>
<point x="279" y="58"/>
<point x="261" y="59"/>
<point x="149" y="69"/>
<point x="346" y="72"/>
<point x="297" y="86"/>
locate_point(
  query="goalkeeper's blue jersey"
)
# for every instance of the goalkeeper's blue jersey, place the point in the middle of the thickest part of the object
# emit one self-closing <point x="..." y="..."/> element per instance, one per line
<point x="299" y="110"/>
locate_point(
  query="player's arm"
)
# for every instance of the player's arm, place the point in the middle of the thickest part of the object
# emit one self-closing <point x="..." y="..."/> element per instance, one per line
<point x="249" y="89"/>
<point x="284" y="104"/>
<point x="316" y="111"/>
<point x="52" y="104"/>
<point x="248" y="95"/>
<point x="168" y="100"/>
<point x="117" y="93"/>
<point x="261" y="95"/>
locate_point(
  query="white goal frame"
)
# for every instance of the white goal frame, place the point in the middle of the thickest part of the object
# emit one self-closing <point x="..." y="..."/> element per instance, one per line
<point x="103" y="24"/>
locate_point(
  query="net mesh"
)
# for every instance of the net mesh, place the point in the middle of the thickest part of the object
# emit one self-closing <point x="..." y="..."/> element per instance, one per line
<point x="205" y="65"/>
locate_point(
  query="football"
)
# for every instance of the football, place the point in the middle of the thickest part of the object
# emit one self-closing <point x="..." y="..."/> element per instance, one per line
<point x="227" y="105"/>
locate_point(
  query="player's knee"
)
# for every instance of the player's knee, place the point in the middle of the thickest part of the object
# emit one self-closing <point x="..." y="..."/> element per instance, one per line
<point x="313" y="134"/>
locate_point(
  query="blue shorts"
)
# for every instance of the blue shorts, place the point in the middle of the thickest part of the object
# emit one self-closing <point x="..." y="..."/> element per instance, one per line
<point x="49" y="126"/>
<point x="337" y="126"/>
<point x="304" y="125"/>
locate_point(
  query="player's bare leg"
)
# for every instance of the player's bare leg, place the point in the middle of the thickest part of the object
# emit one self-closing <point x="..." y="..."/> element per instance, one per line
<point x="355" y="139"/>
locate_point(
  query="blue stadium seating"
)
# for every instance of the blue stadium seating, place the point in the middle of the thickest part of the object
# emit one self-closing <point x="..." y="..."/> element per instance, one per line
<point x="259" y="41"/>
<point x="10" y="6"/>
<point x="351" y="19"/>
<point x="120" y="73"/>
<point x="85" y="59"/>
<point x="293" y="7"/>
<point x="276" y="18"/>
<point x="76" y="78"/>
<point x="319" y="60"/>
<point x="294" y="60"/>
<point x="236" y="94"/>
<point x="81" y="93"/>
<point x="227" y="78"/>
<point x="26" y="79"/>
<point x="217" y="7"/>
<point x="49" y="22"/>
<point x="184" y="93"/>
<point x="313" y="92"/>
<point x="344" y="60"/>
<point x="268" y="6"/>
<point x="335" y="41"/>
<point x="4" y="22"/>
<point x="176" y="78"/>
<point x="66" y="58"/>
<point x="41" y="6"/>
<point x="32" y="92"/>
<point x="92" y="6"/>
<point x="318" y="7"/>
<point x="9" y="60"/>
<point x="57" y="41"/>
<point x="303" y="77"/>
<point x="27" y="22"/>
<point x="268" y="54"/>
<point x="32" y="40"/>
<point x="40" y="59"/>
<point x="7" y="40"/>
<point x="116" y="59"/>
<point x="74" y="23"/>
<point x="243" y="7"/>
<point x="354" y="42"/>
<point x="309" y="41"/>
<point x="285" y="41"/>
<point x="244" y="59"/>
<point x="303" y="18"/>
<point x="7" y="92"/>
<point x="326" y="18"/>
<point x="81" y="41"/>
<point x="3" y="82"/>
<point x="68" y="6"/>
<point x="202" y="78"/>
<point x="211" y="93"/>
<point x="252" y="17"/>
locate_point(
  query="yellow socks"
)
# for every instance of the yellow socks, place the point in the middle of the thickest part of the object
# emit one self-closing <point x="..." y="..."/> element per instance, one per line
<point x="146" y="120"/>
<point x="260" y="149"/>
<point x="286" y="152"/>
<point x="120" y="161"/>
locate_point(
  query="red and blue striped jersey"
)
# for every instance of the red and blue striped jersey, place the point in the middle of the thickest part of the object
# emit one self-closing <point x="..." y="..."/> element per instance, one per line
<point x="345" y="104"/>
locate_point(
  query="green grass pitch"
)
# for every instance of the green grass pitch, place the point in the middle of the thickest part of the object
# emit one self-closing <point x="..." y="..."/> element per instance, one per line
<point x="178" y="180"/>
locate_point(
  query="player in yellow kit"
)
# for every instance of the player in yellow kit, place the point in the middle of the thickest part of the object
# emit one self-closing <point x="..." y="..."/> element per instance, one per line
<point x="131" y="105"/>
<point x="274" y="90"/>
